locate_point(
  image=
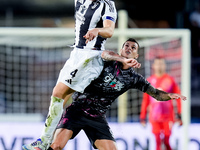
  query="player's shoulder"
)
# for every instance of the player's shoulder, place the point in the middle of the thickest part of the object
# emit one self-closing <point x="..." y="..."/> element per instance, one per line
<point x="135" y="73"/>
<point x="110" y="64"/>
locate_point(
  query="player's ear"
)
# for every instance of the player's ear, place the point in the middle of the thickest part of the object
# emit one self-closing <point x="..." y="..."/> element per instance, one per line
<point x="136" y="57"/>
<point x="120" y="51"/>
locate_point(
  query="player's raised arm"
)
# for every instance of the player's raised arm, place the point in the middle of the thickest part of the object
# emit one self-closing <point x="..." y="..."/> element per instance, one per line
<point x="163" y="96"/>
<point x="113" y="56"/>
<point x="106" y="32"/>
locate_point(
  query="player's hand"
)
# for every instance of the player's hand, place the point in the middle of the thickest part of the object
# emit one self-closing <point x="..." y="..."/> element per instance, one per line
<point x="136" y="64"/>
<point x="91" y="34"/>
<point x="177" y="96"/>
<point x="131" y="63"/>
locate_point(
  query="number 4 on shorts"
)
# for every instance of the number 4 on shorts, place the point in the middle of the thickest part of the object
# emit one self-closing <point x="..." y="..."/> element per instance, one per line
<point x="73" y="73"/>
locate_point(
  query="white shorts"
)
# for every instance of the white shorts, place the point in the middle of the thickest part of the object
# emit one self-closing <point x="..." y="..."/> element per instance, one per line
<point x="83" y="66"/>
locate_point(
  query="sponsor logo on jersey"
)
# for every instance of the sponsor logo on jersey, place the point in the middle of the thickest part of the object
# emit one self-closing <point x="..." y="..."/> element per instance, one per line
<point x="113" y="82"/>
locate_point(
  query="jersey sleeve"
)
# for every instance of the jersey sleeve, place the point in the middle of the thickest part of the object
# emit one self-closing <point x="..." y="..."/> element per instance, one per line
<point x="145" y="104"/>
<point x="139" y="82"/>
<point x="110" y="12"/>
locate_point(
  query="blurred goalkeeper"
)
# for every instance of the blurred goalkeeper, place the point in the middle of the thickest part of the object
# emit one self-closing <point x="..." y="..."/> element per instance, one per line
<point x="161" y="115"/>
<point x="88" y="109"/>
<point x="94" y="23"/>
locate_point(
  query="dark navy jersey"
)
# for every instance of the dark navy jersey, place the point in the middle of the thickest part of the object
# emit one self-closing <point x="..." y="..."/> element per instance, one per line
<point x="112" y="82"/>
<point x="89" y="15"/>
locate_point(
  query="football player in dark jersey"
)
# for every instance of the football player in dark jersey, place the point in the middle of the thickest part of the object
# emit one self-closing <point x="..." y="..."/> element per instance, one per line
<point x="88" y="109"/>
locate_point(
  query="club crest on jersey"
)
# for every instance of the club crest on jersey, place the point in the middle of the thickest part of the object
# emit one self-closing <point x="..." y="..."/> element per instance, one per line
<point x="113" y="84"/>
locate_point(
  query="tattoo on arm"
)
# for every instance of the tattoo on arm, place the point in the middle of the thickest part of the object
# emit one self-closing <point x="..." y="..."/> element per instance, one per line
<point x="110" y="56"/>
<point x="158" y="94"/>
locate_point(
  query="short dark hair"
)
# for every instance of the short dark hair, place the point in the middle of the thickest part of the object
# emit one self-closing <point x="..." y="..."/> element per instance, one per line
<point x="132" y="40"/>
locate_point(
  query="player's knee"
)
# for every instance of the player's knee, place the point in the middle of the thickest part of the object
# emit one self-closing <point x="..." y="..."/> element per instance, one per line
<point x="114" y="147"/>
<point x="57" y="93"/>
<point x="61" y="91"/>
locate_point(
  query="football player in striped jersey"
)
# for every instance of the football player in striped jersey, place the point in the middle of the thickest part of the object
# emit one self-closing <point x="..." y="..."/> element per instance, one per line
<point x="94" y="23"/>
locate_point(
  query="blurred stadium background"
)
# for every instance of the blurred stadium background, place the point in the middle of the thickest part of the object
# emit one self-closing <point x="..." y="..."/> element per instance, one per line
<point x="30" y="61"/>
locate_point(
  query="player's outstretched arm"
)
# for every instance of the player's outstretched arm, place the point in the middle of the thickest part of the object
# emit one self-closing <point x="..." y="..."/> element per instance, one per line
<point x="163" y="96"/>
<point x="113" y="56"/>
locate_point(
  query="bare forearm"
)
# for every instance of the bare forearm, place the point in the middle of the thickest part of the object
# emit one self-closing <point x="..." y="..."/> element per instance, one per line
<point x="158" y="94"/>
<point x="127" y="63"/>
<point x="112" y="56"/>
<point x="106" y="32"/>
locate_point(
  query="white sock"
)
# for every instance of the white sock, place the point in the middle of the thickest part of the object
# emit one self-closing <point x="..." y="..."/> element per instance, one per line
<point x="53" y="118"/>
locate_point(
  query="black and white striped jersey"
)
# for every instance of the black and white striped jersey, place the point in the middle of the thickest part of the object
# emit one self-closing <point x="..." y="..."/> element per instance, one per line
<point x="91" y="14"/>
